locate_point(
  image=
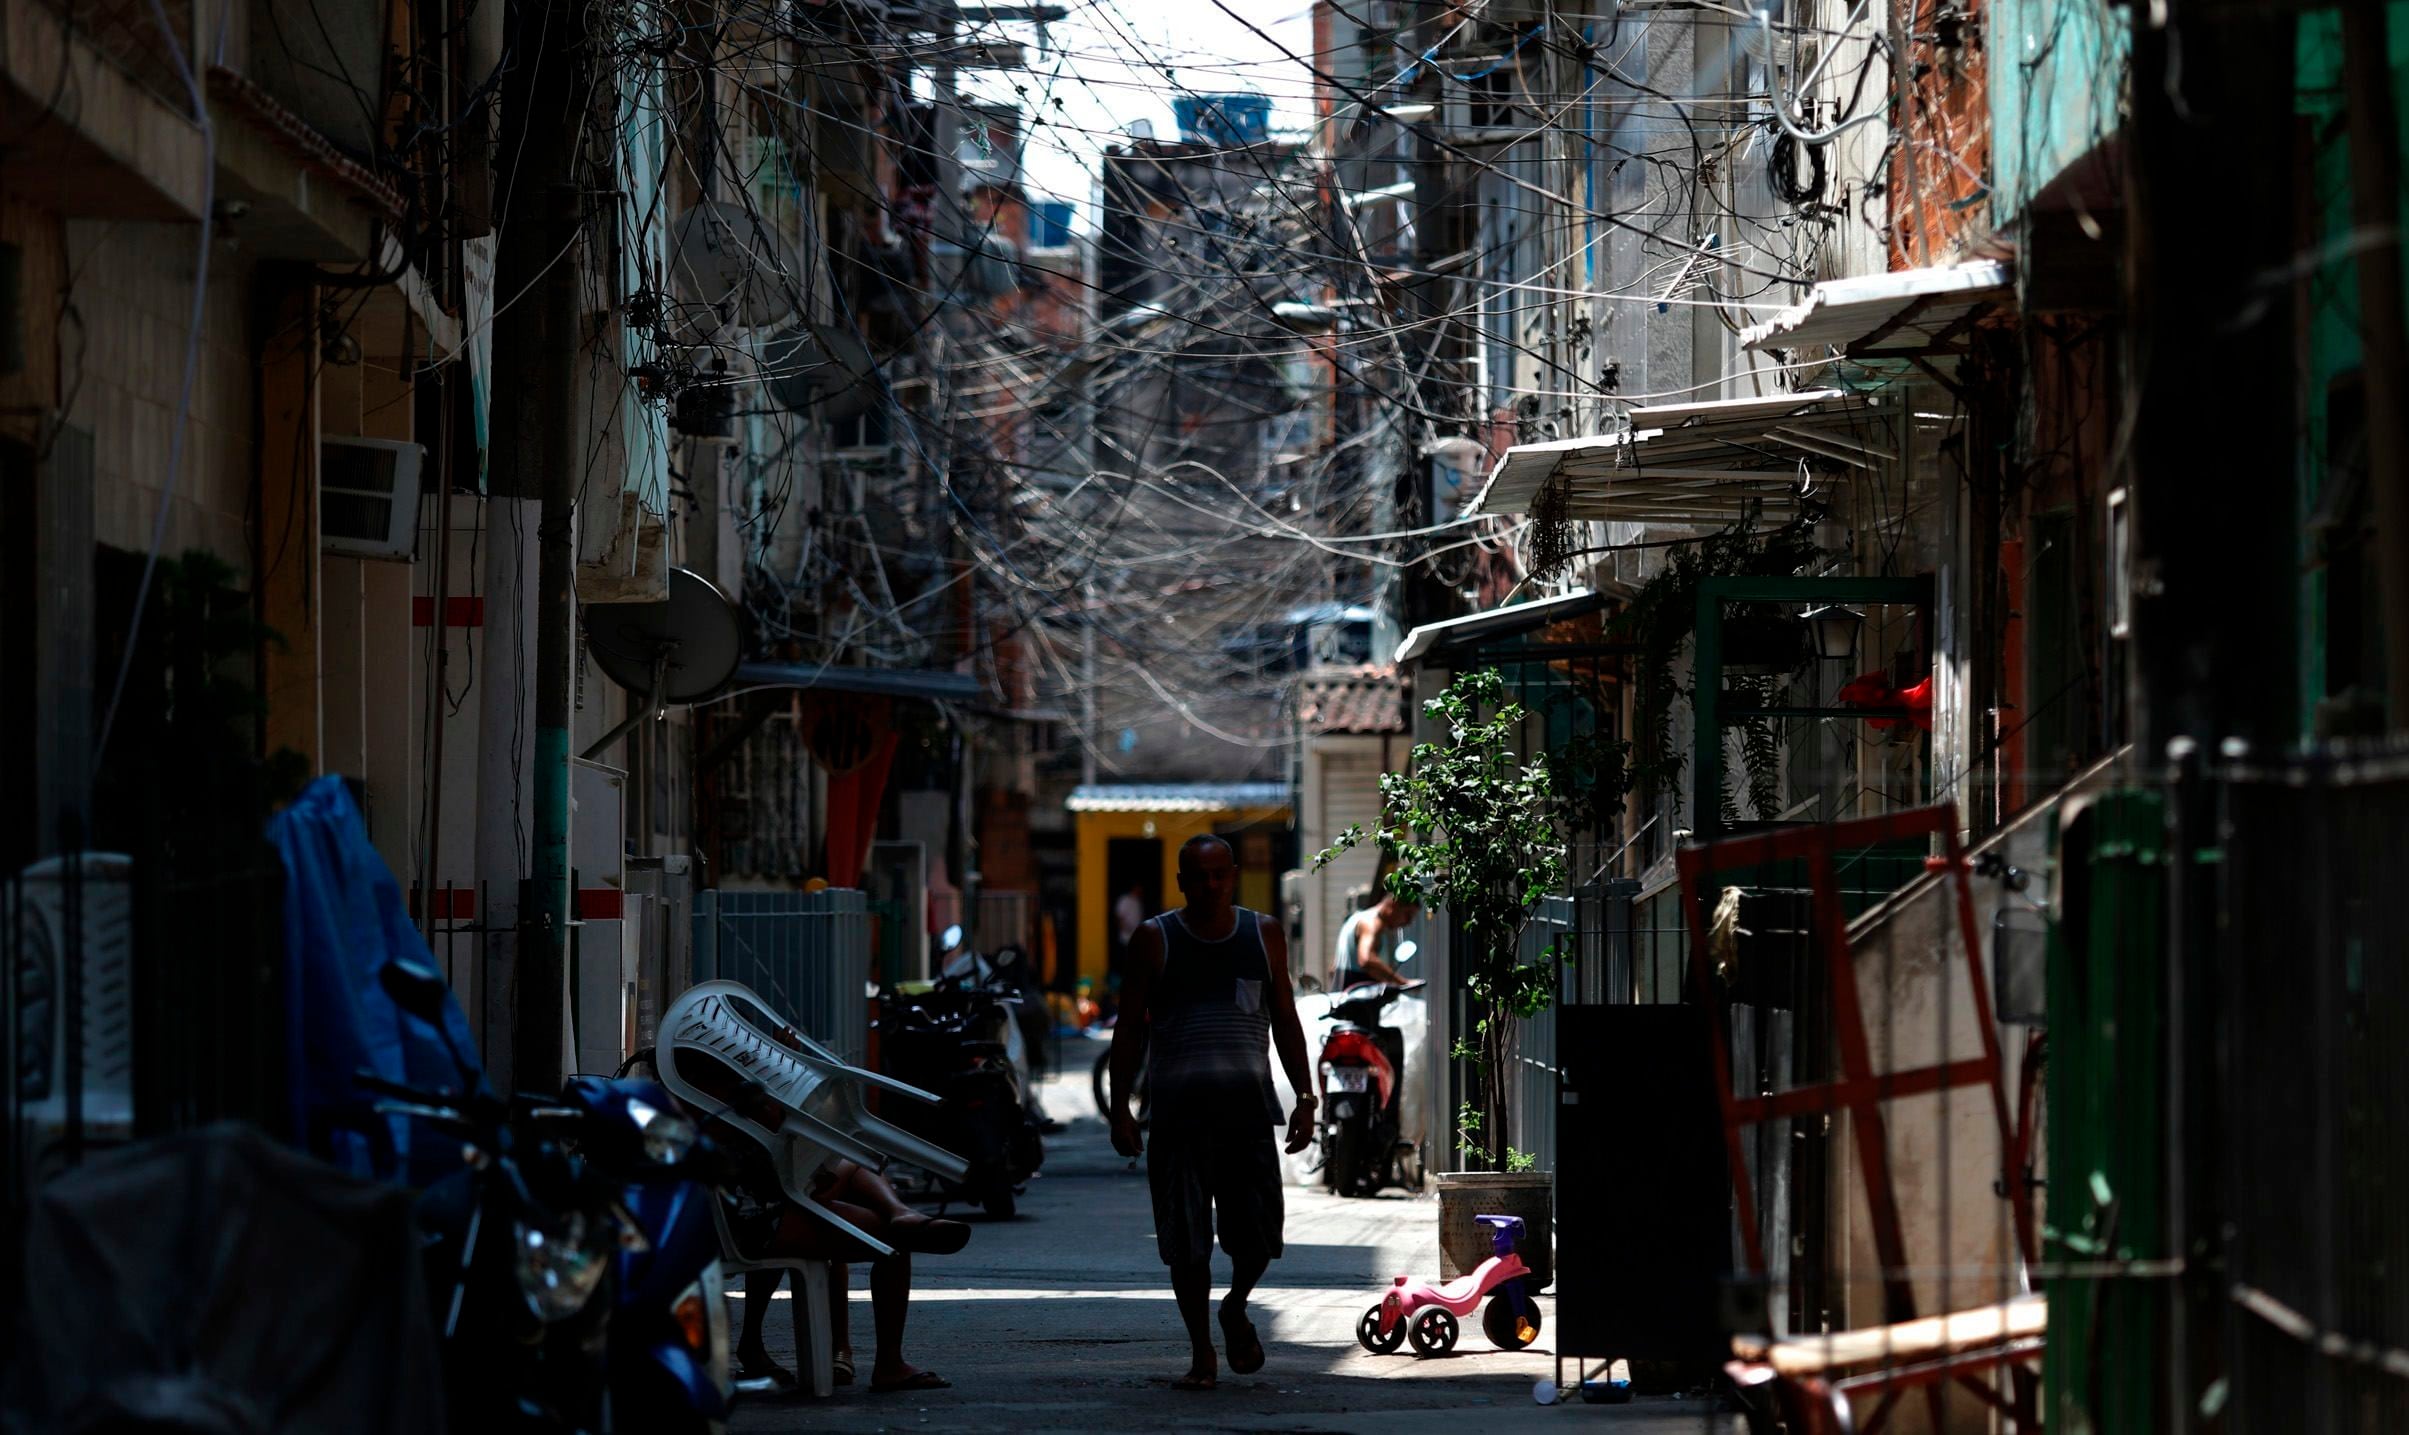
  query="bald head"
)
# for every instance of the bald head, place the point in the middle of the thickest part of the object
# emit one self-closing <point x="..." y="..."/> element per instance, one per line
<point x="1193" y="852"/>
<point x="1208" y="877"/>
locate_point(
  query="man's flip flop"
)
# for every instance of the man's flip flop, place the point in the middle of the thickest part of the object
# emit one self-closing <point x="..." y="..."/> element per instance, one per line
<point x="917" y="1380"/>
<point x="1243" y="1347"/>
<point x="1195" y="1382"/>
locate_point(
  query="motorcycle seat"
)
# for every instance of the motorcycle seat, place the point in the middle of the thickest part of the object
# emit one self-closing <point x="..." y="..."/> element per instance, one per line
<point x="821" y="1095"/>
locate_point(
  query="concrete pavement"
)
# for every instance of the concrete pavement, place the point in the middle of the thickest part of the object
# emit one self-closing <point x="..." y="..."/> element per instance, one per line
<point x="1062" y="1320"/>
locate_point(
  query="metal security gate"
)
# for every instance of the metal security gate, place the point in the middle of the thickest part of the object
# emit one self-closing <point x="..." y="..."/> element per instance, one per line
<point x="1591" y="932"/>
<point x="2311" y="1003"/>
<point x="806" y="953"/>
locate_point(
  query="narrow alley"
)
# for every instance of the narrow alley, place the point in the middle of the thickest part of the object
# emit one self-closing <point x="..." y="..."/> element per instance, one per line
<point x="1726" y="683"/>
<point x="1061" y="1320"/>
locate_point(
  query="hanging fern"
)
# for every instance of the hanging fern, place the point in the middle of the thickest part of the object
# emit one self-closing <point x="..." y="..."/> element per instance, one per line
<point x="1550" y="544"/>
<point x="1663" y="615"/>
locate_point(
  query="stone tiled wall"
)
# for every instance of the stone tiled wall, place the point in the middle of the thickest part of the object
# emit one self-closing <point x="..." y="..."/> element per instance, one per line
<point x="121" y="345"/>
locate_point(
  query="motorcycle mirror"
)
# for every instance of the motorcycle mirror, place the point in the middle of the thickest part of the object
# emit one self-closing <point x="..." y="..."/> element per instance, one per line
<point x="951" y="937"/>
<point x="1406" y="950"/>
<point x="1309" y="984"/>
<point x="414" y="987"/>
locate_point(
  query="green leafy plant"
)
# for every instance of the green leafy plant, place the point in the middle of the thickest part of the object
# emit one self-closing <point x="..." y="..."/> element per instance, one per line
<point x="1470" y="829"/>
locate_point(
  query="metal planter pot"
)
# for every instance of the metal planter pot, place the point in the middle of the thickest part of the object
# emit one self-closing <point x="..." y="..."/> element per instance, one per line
<point x="1464" y="1243"/>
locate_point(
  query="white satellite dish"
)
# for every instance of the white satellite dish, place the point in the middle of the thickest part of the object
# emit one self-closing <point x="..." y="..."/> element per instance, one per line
<point x="826" y="366"/>
<point x="732" y="261"/>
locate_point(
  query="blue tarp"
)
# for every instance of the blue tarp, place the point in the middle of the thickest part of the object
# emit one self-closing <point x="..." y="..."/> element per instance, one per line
<point x="344" y="919"/>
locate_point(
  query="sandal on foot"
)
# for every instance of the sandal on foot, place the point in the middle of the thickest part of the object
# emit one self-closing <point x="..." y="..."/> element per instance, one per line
<point x="1243" y="1346"/>
<point x="840" y="1370"/>
<point x="925" y="1235"/>
<point x="1195" y="1382"/>
<point x="766" y="1369"/>
<point x="917" y="1380"/>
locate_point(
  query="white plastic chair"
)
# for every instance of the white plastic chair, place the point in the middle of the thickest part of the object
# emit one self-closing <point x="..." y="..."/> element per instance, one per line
<point x="815" y="1330"/>
<point x="822" y="1095"/>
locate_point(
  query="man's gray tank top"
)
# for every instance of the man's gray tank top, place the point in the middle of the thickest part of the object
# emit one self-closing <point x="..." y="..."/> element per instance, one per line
<point x="1210" y="1039"/>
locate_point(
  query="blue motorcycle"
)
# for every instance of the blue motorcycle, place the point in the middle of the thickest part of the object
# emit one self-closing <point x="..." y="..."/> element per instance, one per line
<point x="668" y="1340"/>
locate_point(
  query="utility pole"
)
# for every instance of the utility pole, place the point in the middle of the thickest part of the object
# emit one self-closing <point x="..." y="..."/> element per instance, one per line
<point x="538" y="341"/>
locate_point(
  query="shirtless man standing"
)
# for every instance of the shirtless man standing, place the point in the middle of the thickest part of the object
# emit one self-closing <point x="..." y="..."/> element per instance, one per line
<point x="1361" y="957"/>
<point x="1207" y="988"/>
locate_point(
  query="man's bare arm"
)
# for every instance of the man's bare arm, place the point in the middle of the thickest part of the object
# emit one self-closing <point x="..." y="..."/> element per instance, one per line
<point x="1142" y="963"/>
<point x="1288" y="1035"/>
<point x="1368" y="959"/>
<point x="1287" y="1032"/>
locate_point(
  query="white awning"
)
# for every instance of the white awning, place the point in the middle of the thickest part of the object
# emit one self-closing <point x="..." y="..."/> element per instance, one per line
<point x="1504" y="622"/>
<point x="1911" y="313"/>
<point x="1178" y="796"/>
<point x="1699" y="464"/>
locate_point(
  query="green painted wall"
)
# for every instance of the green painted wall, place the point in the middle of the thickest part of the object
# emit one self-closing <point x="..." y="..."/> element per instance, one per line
<point x="2057" y="84"/>
<point x="2330" y="320"/>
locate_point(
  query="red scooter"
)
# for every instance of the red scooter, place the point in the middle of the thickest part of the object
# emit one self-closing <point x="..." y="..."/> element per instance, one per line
<point x="1362" y="1070"/>
<point x="1427" y="1314"/>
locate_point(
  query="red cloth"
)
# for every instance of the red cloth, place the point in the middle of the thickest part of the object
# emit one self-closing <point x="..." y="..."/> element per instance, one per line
<point x="853" y="801"/>
<point x="1874" y="690"/>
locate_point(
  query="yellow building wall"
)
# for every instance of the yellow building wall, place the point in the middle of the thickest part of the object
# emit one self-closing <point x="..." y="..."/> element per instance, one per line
<point x="1258" y="890"/>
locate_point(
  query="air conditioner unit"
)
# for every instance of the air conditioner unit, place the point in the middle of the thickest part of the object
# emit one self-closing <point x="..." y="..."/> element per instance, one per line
<point x="368" y="496"/>
<point x="71" y="920"/>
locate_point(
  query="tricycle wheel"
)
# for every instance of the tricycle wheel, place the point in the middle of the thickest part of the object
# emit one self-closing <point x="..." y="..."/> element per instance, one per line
<point x="1434" y="1331"/>
<point x="1507" y="1327"/>
<point x="1367" y="1333"/>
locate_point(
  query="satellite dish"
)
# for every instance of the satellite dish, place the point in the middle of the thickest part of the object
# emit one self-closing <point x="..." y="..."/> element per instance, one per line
<point x="825" y="367"/>
<point x="679" y="650"/>
<point x="732" y="261"/>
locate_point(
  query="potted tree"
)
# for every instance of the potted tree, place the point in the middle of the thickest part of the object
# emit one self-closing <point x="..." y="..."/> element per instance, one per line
<point x="1468" y="830"/>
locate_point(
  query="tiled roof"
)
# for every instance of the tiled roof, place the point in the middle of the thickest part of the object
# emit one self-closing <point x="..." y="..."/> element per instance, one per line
<point x="1177" y="796"/>
<point x="1352" y="700"/>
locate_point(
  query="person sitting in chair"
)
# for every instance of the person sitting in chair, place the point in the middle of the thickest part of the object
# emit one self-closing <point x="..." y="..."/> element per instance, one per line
<point x="766" y="1225"/>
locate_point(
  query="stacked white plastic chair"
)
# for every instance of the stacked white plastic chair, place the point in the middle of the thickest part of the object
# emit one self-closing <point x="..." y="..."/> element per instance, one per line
<point x="824" y="1118"/>
<point x="824" y="1113"/>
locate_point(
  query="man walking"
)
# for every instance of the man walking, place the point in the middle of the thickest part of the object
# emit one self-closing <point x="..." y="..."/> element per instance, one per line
<point x="1207" y="989"/>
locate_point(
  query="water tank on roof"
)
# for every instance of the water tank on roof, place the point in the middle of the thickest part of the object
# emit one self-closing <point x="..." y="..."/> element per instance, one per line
<point x="1239" y="119"/>
<point x="1052" y="224"/>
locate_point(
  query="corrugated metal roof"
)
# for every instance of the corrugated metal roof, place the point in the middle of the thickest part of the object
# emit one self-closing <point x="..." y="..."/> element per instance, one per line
<point x="1177" y="796"/>
<point x="1697" y="464"/>
<point x="927" y="684"/>
<point x="1898" y="315"/>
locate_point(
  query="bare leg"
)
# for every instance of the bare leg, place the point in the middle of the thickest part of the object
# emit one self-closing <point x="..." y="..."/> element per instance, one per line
<point x="840" y="1312"/>
<point x="890" y="1305"/>
<point x="1246" y="1352"/>
<point x="760" y="1288"/>
<point x="1192" y="1285"/>
<point x="1243" y="1275"/>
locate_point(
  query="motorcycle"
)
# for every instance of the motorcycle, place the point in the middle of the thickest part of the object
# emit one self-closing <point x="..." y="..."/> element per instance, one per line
<point x="955" y="1040"/>
<point x="1362" y="1077"/>
<point x="515" y="1246"/>
<point x="602" y="1308"/>
<point x="668" y="1349"/>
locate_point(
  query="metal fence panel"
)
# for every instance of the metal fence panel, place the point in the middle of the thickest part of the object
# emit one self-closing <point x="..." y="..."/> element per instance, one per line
<point x="806" y="953"/>
<point x="2315" y="1001"/>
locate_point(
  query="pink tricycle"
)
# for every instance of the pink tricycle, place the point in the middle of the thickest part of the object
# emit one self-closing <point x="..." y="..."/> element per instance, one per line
<point x="1427" y="1313"/>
